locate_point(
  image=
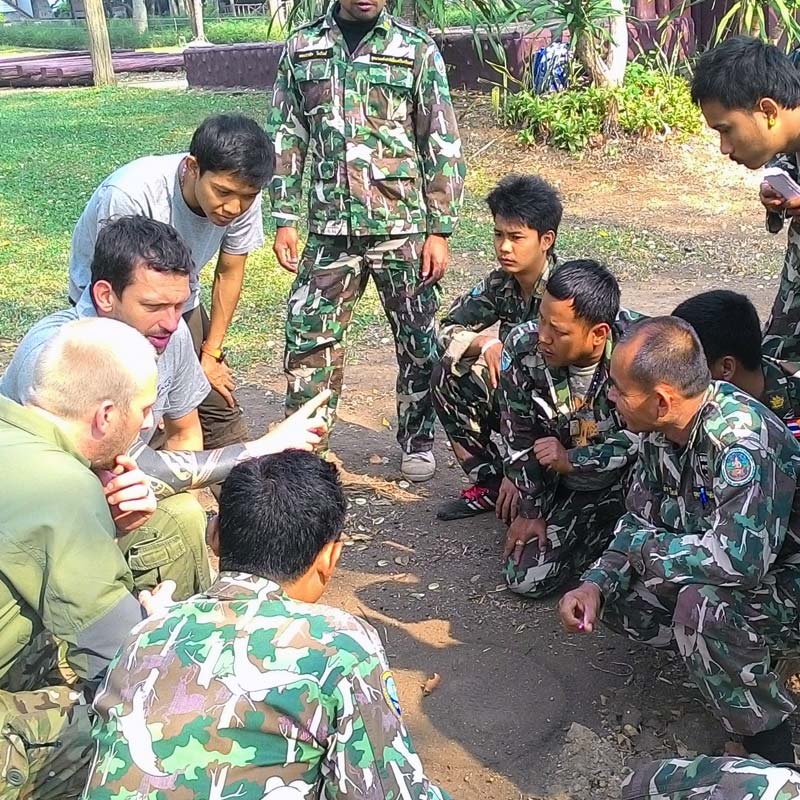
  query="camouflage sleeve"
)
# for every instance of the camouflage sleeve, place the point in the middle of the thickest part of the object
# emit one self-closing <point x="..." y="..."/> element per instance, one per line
<point x="471" y="313"/>
<point x="438" y="144"/>
<point x="782" y="333"/>
<point x="617" y="451"/>
<point x="524" y="418"/>
<point x="751" y="503"/>
<point x="286" y="123"/>
<point x="371" y="753"/>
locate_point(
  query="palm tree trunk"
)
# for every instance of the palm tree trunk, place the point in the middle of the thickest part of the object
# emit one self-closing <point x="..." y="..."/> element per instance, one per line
<point x="99" y="45"/>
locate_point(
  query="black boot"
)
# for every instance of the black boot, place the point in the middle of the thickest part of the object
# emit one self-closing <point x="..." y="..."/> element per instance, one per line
<point x="774" y="745"/>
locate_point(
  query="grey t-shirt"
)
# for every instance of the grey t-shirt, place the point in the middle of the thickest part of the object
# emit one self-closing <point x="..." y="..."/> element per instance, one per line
<point x="151" y="186"/>
<point x="182" y="384"/>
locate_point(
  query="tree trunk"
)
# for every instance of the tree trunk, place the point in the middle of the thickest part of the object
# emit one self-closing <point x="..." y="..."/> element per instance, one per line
<point x="407" y="10"/>
<point x="99" y="45"/>
<point x="277" y="13"/>
<point x="139" y="17"/>
<point x="618" y="47"/>
<point x="199" y="27"/>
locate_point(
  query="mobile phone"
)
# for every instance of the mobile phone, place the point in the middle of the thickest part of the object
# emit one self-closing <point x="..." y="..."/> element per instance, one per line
<point x="781" y="183"/>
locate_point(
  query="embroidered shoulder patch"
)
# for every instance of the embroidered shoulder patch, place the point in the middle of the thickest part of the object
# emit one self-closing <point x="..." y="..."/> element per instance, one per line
<point x="390" y="692"/>
<point x="505" y="360"/>
<point x="776" y="402"/>
<point x="738" y="467"/>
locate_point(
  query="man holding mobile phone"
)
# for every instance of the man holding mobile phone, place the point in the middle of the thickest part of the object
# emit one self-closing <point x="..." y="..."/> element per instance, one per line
<point x="749" y="92"/>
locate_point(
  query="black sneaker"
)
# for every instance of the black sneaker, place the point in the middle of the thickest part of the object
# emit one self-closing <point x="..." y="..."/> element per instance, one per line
<point x="473" y="501"/>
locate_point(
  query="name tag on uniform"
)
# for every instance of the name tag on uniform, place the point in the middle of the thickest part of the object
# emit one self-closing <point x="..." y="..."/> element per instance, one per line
<point x="671" y="491"/>
<point x="391" y="61"/>
<point x="320" y="52"/>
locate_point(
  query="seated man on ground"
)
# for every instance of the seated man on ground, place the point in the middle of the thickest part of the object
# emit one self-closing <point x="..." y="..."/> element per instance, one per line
<point x="567" y="456"/>
<point x="251" y="689"/>
<point x="65" y="583"/>
<point x="140" y="276"/>
<point x="527" y="212"/>
<point x="709" y="778"/>
<point x="728" y="328"/>
<point x="704" y="560"/>
<point x="212" y="197"/>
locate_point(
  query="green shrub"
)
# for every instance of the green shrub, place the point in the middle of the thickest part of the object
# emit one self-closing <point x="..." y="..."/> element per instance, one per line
<point x="72" y="35"/>
<point x="650" y="102"/>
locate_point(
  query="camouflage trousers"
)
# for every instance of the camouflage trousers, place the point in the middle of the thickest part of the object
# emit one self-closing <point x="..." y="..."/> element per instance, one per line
<point x="728" y="640"/>
<point x="45" y="727"/>
<point x="170" y="546"/>
<point x="782" y="333"/>
<point x="468" y="409"/>
<point x="707" y="778"/>
<point x="579" y="527"/>
<point x="331" y="278"/>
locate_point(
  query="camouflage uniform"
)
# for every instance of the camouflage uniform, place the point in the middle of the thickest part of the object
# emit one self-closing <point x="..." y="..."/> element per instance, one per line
<point x="465" y="402"/>
<point x="706" y="559"/>
<point x="782" y="333"/>
<point x="536" y="401"/>
<point x="386" y="169"/>
<point x="708" y="778"/>
<point x="244" y="693"/>
<point x="782" y="391"/>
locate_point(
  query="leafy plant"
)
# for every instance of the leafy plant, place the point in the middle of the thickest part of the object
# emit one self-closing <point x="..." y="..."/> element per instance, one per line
<point x="648" y="103"/>
<point x="750" y="17"/>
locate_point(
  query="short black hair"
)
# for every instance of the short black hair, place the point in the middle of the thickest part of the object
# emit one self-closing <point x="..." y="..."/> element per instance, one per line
<point x="741" y="71"/>
<point x="126" y="243"/>
<point x="668" y="351"/>
<point x="528" y="199"/>
<point x="277" y="512"/>
<point x="727" y="324"/>
<point x="237" y="144"/>
<point x="594" y="291"/>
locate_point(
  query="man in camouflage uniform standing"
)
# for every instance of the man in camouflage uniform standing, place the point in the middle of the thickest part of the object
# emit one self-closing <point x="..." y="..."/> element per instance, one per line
<point x="566" y="453"/>
<point x="252" y="690"/>
<point x="728" y="328"/>
<point x="366" y="98"/>
<point x="527" y="212"/>
<point x="705" y="560"/>
<point x="749" y="92"/>
<point x="708" y="778"/>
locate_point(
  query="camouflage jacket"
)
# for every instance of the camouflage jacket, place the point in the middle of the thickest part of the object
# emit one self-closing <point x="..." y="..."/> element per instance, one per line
<point x="536" y="401"/>
<point x="378" y="126"/>
<point x="782" y="391"/>
<point x="497" y="298"/>
<point x="782" y="332"/>
<point x="244" y="693"/>
<point x="720" y="510"/>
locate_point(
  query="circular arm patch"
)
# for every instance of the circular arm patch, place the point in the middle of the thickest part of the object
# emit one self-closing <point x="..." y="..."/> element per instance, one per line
<point x="738" y="467"/>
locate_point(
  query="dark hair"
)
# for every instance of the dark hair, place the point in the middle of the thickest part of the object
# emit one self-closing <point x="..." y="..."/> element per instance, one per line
<point x="277" y="512"/>
<point x="126" y="243"/>
<point x="234" y="143"/>
<point x="528" y="199"/>
<point x="726" y="323"/>
<point x="669" y="352"/>
<point x="594" y="291"/>
<point x="741" y="71"/>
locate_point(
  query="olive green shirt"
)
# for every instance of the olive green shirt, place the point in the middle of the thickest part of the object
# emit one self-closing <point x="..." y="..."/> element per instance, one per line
<point x="60" y="568"/>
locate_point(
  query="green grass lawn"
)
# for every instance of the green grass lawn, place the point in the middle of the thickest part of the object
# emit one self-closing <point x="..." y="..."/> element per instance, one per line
<point x="58" y="145"/>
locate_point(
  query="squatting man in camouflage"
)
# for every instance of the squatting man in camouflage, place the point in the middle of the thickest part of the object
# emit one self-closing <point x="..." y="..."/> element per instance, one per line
<point x="749" y="92"/>
<point x="729" y="330"/>
<point x="527" y="212"/>
<point x="140" y="275"/>
<point x="364" y="98"/>
<point x="66" y="592"/>
<point x="567" y="456"/>
<point x="253" y="690"/>
<point x="704" y="560"/>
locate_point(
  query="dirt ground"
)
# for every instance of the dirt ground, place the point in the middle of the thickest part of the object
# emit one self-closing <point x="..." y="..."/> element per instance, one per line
<point x="522" y="710"/>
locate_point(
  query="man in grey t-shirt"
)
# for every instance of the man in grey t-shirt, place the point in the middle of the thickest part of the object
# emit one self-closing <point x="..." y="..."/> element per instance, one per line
<point x="212" y="197"/>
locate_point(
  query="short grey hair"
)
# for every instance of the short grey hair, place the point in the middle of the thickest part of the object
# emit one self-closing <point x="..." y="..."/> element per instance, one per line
<point x="668" y="351"/>
<point x="90" y="361"/>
